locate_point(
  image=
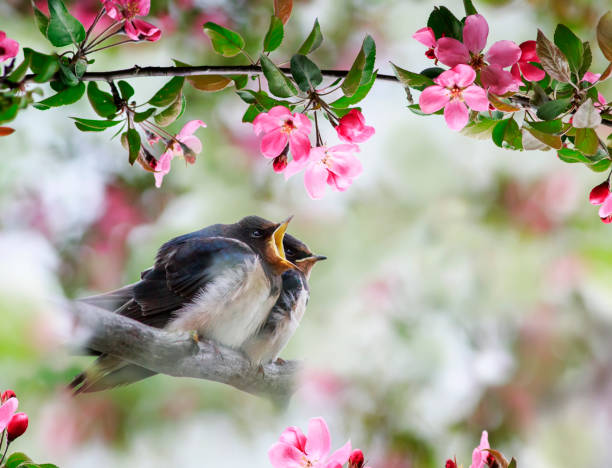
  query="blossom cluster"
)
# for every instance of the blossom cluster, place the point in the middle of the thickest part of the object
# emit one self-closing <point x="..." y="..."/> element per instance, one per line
<point x="12" y="424"/>
<point x="484" y="457"/>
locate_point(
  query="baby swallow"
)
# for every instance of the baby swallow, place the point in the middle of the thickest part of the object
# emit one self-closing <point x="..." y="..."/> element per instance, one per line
<point x="220" y="282"/>
<point x="285" y="316"/>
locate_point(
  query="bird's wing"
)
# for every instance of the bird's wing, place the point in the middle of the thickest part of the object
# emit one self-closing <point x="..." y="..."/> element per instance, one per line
<point x="111" y="300"/>
<point x="182" y="269"/>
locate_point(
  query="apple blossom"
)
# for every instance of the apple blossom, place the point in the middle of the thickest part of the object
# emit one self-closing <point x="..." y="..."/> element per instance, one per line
<point x="279" y="127"/>
<point x="601" y="195"/>
<point x="294" y="449"/>
<point x="427" y="37"/>
<point x="7" y="410"/>
<point x="454" y="89"/>
<point x="352" y="127"/>
<point x="479" y="455"/>
<point x="594" y="78"/>
<point x="524" y="66"/>
<point x="501" y="54"/>
<point x="17" y="426"/>
<point x="8" y="47"/>
<point x="335" y="166"/>
<point x="136" y="29"/>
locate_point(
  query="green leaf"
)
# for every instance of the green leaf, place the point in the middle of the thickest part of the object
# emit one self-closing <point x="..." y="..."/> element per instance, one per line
<point x="586" y="116"/>
<point x="552" y="59"/>
<point x="132" y="138"/>
<point x="600" y="166"/>
<point x="410" y="79"/>
<point x="63" y="28"/>
<point x="554" y="141"/>
<point x="22" y="69"/>
<point x="444" y="23"/>
<point x="305" y="73"/>
<point x="91" y="125"/>
<point x="43" y="66"/>
<point x="362" y="68"/>
<point x="224" y="41"/>
<point x="362" y="92"/>
<point x="240" y="81"/>
<point x="171" y="113"/>
<point x="480" y="130"/>
<point x="41" y="20"/>
<point x="432" y="72"/>
<point x="570" y="45"/>
<point x="63" y="98"/>
<point x="507" y="131"/>
<point x="512" y="463"/>
<point x="313" y="41"/>
<point x="586" y="140"/>
<point x="9" y="112"/>
<point x="126" y="89"/>
<point x="274" y="36"/>
<point x="102" y="102"/>
<point x="469" y="7"/>
<point x="261" y="99"/>
<point x="550" y="126"/>
<point x="250" y="114"/>
<point x="587" y="58"/>
<point x="168" y="93"/>
<point x="551" y="109"/>
<point x="142" y="116"/>
<point x="572" y="156"/>
<point x="16" y="459"/>
<point x="67" y="76"/>
<point x="278" y="83"/>
<point x="604" y="35"/>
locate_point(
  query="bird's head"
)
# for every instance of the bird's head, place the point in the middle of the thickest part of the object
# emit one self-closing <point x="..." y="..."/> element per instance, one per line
<point x="300" y="255"/>
<point x="266" y="238"/>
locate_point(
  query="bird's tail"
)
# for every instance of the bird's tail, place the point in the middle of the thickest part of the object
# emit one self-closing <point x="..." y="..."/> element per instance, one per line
<point x="111" y="300"/>
<point x="107" y="372"/>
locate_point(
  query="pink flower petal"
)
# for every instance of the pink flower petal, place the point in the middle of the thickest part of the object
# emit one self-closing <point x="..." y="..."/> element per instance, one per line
<point x="6" y="412"/>
<point x="190" y="127"/>
<point x="476" y="98"/>
<point x="338" y="183"/>
<point x="503" y="53"/>
<point x="605" y="209"/>
<point x="293" y="167"/>
<point x="315" y="178"/>
<point x="516" y="75"/>
<point x="451" y="52"/>
<point x="341" y="455"/>
<point x="352" y="128"/>
<point x="144" y="30"/>
<point x="344" y="163"/>
<point x="273" y="143"/>
<point x="163" y="167"/>
<point x="131" y="31"/>
<point x="294" y="436"/>
<point x="591" y="77"/>
<point x="192" y="142"/>
<point x="318" y="441"/>
<point x="599" y="193"/>
<point x="265" y="123"/>
<point x="299" y="145"/>
<point x="475" y="33"/>
<point x="465" y="75"/>
<point x="456" y="115"/>
<point x="302" y="123"/>
<point x="531" y="72"/>
<point x="9" y="47"/>
<point x="282" y="455"/>
<point x="433" y="98"/>
<point x="448" y="79"/>
<point x="528" y="52"/>
<point x="425" y="36"/>
<point x="497" y="81"/>
<point x="142" y="7"/>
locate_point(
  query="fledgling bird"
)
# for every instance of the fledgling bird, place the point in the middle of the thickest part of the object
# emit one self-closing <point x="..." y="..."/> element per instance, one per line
<point x="284" y="318"/>
<point x="220" y="282"/>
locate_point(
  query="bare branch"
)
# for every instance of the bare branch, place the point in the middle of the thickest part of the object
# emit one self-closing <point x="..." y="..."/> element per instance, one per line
<point x="180" y="355"/>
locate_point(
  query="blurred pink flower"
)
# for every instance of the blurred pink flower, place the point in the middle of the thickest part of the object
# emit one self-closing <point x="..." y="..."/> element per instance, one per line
<point x="163" y="167"/>
<point x="501" y="54"/>
<point x="427" y="37"/>
<point x="453" y="90"/>
<point x="7" y="410"/>
<point x="594" y="78"/>
<point x="280" y="127"/>
<point x="8" y="47"/>
<point x="524" y="67"/>
<point x="601" y="195"/>
<point x="336" y="166"/>
<point x="352" y="127"/>
<point x="295" y="450"/>
<point x="136" y="29"/>
<point x="479" y="455"/>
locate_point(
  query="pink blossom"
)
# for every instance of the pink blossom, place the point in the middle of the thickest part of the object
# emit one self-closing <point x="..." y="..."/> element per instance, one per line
<point x="501" y="54"/>
<point x="8" y="47"/>
<point x="280" y="127"/>
<point x="7" y="410"/>
<point x="336" y="166"/>
<point x="594" y="78"/>
<point x="427" y="37"/>
<point x="163" y="167"/>
<point x="524" y="67"/>
<point x="295" y="450"/>
<point x="454" y="89"/>
<point x="17" y="426"/>
<point x="601" y="195"/>
<point x="479" y="455"/>
<point x="352" y="128"/>
<point x="136" y="29"/>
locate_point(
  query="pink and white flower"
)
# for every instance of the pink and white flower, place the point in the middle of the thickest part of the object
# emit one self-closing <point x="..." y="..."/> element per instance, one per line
<point x="8" y="47"/>
<point x="454" y="89"/>
<point x="427" y="37"/>
<point x="352" y="127"/>
<point x="594" y="78"/>
<point x="136" y="29"/>
<point x="601" y="195"/>
<point x="295" y="450"/>
<point x="500" y="55"/>
<point x="524" y="65"/>
<point x="480" y="453"/>
<point x="335" y="166"/>
<point x="7" y="410"/>
<point x="279" y="128"/>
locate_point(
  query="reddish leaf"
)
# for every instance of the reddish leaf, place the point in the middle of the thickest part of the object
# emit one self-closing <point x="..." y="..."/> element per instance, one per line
<point x="552" y="59"/>
<point x="604" y="35"/>
<point x="282" y="9"/>
<point x="209" y="83"/>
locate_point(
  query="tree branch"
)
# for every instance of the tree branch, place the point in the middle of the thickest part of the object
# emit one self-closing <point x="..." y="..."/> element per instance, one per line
<point x="179" y="355"/>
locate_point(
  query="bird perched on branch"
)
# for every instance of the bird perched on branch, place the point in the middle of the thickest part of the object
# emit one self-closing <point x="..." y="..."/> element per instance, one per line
<point x="220" y="282"/>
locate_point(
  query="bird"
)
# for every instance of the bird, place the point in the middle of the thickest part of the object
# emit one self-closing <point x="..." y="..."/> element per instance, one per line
<point x="219" y="282"/>
<point x="285" y="316"/>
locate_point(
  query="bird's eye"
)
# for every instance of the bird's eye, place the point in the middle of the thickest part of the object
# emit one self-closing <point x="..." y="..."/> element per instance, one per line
<point x="256" y="233"/>
<point x="289" y="251"/>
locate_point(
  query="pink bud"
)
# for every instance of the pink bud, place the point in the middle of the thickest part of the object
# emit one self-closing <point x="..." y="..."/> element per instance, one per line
<point x="280" y="163"/>
<point x="356" y="459"/>
<point x="17" y="426"/>
<point x="6" y="395"/>
<point x="491" y="461"/>
<point x="599" y="193"/>
<point x="450" y="464"/>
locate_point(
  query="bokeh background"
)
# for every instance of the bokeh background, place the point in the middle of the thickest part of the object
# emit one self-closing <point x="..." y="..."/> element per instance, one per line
<point x="467" y="287"/>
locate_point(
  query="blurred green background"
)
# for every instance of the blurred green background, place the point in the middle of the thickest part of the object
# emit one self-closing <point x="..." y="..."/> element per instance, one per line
<point x="467" y="287"/>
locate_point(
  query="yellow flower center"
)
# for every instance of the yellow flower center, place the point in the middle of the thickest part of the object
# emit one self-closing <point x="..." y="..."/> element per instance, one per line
<point x="456" y="93"/>
<point x="288" y="126"/>
<point x="477" y="61"/>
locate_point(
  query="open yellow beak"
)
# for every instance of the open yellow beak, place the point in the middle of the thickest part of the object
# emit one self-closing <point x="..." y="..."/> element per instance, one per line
<point x="279" y="235"/>
<point x="278" y="259"/>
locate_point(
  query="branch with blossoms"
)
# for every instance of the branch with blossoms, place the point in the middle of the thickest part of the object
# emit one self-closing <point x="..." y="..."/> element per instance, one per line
<point x="536" y="95"/>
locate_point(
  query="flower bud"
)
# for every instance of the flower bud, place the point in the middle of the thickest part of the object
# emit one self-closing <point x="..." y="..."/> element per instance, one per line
<point x="450" y="464"/>
<point x="17" y="426"/>
<point x="356" y="459"/>
<point x="599" y="193"/>
<point x="491" y="461"/>
<point x="6" y="395"/>
<point x="280" y="163"/>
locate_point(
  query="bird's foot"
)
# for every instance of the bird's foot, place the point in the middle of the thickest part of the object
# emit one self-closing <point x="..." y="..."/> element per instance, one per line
<point x="194" y="336"/>
<point x="261" y="371"/>
<point x="280" y="361"/>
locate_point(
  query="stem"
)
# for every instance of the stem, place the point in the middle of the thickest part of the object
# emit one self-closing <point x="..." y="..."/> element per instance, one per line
<point x="91" y="28"/>
<point x="110" y="45"/>
<point x="5" y="450"/>
<point x="101" y="37"/>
